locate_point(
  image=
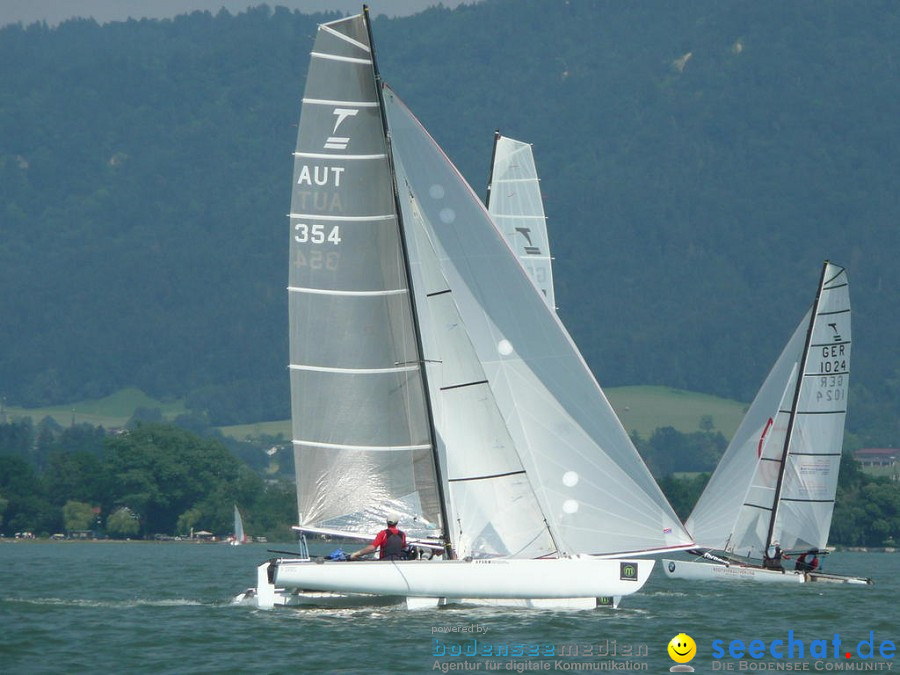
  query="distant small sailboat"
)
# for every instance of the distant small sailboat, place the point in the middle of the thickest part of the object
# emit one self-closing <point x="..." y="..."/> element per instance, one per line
<point x="239" y="536"/>
<point x="775" y="485"/>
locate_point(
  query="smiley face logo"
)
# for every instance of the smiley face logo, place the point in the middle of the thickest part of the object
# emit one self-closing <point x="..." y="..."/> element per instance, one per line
<point x="682" y="648"/>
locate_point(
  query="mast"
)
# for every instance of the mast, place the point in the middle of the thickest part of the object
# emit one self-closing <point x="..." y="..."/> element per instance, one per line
<point x="487" y="198"/>
<point x="801" y="372"/>
<point x="442" y="496"/>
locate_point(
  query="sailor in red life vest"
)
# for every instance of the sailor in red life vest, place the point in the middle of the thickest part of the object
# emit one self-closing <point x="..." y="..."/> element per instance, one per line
<point x="808" y="561"/>
<point x="390" y="541"/>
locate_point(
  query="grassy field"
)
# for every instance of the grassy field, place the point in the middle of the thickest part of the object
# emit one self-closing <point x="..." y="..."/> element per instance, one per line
<point x="257" y="429"/>
<point x="644" y="409"/>
<point x="110" y="412"/>
<point x="641" y="409"/>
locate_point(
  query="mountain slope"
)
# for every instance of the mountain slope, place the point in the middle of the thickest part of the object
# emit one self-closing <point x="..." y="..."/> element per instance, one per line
<point x="699" y="160"/>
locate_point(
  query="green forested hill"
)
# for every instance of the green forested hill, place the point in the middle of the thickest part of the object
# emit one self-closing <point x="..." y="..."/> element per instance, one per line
<point x="699" y="160"/>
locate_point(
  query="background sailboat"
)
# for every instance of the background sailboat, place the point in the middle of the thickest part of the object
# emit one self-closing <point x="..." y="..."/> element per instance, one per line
<point x="776" y="482"/>
<point x="517" y="208"/>
<point x="239" y="536"/>
<point x="429" y="377"/>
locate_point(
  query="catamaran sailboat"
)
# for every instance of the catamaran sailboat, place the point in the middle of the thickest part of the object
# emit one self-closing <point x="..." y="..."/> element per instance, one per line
<point x="430" y="378"/>
<point x="517" y="208"/>
<point x="776" y="483"/>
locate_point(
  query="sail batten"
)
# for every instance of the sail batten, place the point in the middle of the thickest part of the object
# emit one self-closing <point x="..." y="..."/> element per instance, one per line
<point x="333" y="102"/>
<point x="374" y="448"/>
<point x="346" y="59"/>
<point x="346" y="38"/>
<point x="353" y="371"/>
<point x="364" y="294"/>
<point x="496" y="475"/>
<point x="463" y="384"/>
<point x="329" y="155"/>
<point x="342" y="218"/>
<point x="817" y="501"/>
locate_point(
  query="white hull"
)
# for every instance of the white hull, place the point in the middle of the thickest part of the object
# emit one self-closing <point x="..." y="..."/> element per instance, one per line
<point x="490" y="578"/>
<point x="710" y="571"/>
<point x="566" y="583"/>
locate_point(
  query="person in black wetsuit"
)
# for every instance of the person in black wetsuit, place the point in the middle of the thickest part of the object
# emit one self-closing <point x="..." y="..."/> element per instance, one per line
<point x="390" y="542"/>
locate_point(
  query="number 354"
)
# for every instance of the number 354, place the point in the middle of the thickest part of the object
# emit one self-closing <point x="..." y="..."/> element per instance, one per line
<point x="316" y="234"/>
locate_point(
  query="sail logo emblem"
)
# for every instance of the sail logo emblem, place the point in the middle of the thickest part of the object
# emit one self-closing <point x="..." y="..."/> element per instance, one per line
<point x="837" y="336"/>
<point x="531" y="249"/>
<point x="340" y="142"/>
<point x="628" y="571"/>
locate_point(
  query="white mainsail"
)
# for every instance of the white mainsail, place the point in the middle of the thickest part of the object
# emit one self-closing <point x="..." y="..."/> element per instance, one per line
<point x="778" y="477"/>
<point x="516" y="206"/>
<point x="362" y="441"/>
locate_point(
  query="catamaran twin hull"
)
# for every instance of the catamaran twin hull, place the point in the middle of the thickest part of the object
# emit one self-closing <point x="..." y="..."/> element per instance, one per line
<point x="706" y="571"/>
<point x="556" y="578"/>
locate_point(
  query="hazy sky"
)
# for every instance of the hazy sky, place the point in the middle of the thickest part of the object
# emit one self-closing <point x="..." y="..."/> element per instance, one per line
<point x="54" y="11"/>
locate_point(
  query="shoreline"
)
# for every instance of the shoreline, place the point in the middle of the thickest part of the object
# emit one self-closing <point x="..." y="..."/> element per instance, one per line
<point x="51" y="540"/>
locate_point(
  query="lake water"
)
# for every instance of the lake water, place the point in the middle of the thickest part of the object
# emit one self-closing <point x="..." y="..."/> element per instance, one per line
<point x="146" y="607"/>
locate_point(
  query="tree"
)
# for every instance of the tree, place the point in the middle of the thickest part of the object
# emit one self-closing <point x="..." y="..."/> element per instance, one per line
<point x="683" y="493"/>
<point x="173" y="478"/>
<point x="123" y="522"/>
<point x="274" y="512"/>
<point x="17" y="437"/>
<point x="162" y="471"/>
<point x="77" y="515"/>
<point x="670" y="451"/>
<point x="27" y="506"/>
<point x="78" y="476"/>
<point x="187" y="521"/>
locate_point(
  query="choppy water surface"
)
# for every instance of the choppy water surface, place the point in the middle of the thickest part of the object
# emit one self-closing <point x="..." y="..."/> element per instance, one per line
<point x="145" y="607"/>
